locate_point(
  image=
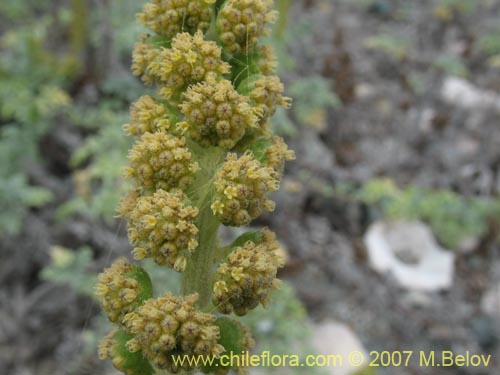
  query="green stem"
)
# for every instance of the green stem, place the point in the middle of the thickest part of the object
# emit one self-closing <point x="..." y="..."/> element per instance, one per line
<point x="283" y="7"/>
<point x="197" y="278"/>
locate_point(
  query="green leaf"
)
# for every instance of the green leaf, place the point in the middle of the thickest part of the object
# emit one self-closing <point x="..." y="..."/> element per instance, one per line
<point x="135" y="363"/>
<point x="248" y="84"/>
<point x="71" y="268"/>
<point x="232" y="338"/>
<point x="255" y="237"/>
<point x="258" y="148"/>
<point x="142" y="277"/>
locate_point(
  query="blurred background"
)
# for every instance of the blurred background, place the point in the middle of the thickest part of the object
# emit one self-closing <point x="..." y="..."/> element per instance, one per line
<point x="389" y="217"/>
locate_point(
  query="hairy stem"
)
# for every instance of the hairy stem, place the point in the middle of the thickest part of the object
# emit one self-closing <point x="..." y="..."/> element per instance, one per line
<point x="197" y="277"/>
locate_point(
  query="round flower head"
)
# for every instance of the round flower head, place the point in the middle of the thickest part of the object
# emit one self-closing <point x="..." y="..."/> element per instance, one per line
<point x="162" y="227"/>
<point x="161" y="161"/>
<point x="216" y="114"/>
<point x="248" y="276"/>
<point x="169" y="327"/>
<point x="170" y="17"/>
<point x="191" y="59"/>
<point x="242" y="22"/>
<point x="241" y="187"/>
<point x="148" y="116"/>
<point x="118" y="291"/>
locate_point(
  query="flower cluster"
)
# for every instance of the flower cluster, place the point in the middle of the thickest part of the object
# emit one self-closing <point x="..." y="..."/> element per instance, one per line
<point x="147" y="115"/>
<point x="204" y="155"/>
<point x="241" y="187"/>
<point x="118" y="292"/>
<point x="266" y="95"/>
<point x="278" y="153"/>
<point x="266" y="60"/>
<point x="216" y="115"/>
<point x="142" y="56"/>
<point x="170" y="325"/>
<point x="190" y="59"/>
<point x="247" y="277"/>
<point x="113" y="347"/>
<point x="242" y="22"/>
<point x="161" y="161"/>
<point x="107" y="350"/>
<point x="161" y="227"/>
<point x="170" y="17"/>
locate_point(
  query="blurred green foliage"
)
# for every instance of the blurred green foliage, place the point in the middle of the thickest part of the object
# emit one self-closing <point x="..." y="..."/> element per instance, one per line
<point x="291" y="335"/>
<point x="447" y="10"/>
<point x="312" y="96"/>
<point x="489" y="44"/>
<point x="451" y="65"/>
<point x="99" y="161"/>
<point x="71" y="268"/>
<point x="452" y="217"/>
<point x="394" y="46"/>
<point x="44" y="50"/>
<point x="366" y="371"/>
<point x="98" y="165"/>
<point x="31" y="98"/>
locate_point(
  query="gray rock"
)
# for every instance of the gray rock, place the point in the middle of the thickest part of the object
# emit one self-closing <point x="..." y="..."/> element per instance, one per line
<point x="409" y="252"/>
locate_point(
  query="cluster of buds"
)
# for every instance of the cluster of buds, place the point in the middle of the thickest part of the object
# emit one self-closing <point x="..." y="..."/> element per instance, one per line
<point x="121" y="288"/>
<point x="162" y="227"/>
<point x="216" y="114"/>
<point x="248" y="276"/>
<point x="161" y="161"/>
<point x="204" y="155"/>
<point x="147" y="116"/>
<point x="169" y="325"/>
<point x="243" y="22"/>
<point x="242" y="185"/>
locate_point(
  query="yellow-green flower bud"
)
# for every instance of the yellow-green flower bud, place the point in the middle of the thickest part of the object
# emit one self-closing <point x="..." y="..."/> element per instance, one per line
<point x="161" y="161"/>
<point x="266" y="95"/>
<point x="248" y="276"/>
<point x="170" y="326"/>
<point x="148" y="116"/>
<point x="162" y="227"/>
<point x="170" y="17"/>
<point x="127" y="204"/>
<point x="241" y="186"/>
<point x="112" y="347"/>
<point x="242" y="22"/>
<point x="121" y="288"/>
<point x="267" y="61"/>
<point x="190" y="59"/>
<point x="142" y="56"/>
<point x="278" y="153"/>
<point x="107" y="350"/>
<point x="216" y="114"/>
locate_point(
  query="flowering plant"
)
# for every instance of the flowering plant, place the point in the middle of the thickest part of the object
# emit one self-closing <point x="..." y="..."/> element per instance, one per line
<point x="204" y="156"/>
